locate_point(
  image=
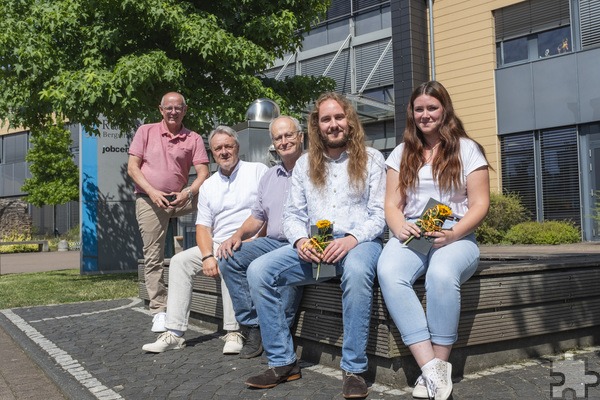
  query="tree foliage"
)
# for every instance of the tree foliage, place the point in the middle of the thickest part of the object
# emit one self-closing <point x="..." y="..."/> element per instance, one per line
<point x="55" y="178"/>
<point x="77" y="59"/>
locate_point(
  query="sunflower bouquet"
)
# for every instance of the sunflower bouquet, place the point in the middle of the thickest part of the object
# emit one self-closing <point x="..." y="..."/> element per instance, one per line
<point x="321" y="236"/>
<point x="432" y="220"/>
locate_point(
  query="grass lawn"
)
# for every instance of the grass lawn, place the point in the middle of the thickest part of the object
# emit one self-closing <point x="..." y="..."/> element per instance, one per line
<point x="65" y="286"/>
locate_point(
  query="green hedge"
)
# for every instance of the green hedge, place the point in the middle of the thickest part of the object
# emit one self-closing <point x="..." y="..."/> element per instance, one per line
<point x="505" y="211"/>
<point x="508" y="222"/>
<point x="549" y="232"/>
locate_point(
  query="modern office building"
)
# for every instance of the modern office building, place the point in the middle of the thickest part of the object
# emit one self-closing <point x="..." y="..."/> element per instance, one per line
<point x="14" y="144"/>
<point x="523" y="76"/>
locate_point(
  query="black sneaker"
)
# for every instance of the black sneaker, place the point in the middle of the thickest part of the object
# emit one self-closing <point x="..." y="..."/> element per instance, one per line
<point x="354" y="386"/>
<point x="274" y="376"/>
<point x="253" y="346"/>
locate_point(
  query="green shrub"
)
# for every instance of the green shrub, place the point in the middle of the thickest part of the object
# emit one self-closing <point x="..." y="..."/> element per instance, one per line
<point x="505" y="211"/>
<point x="71" y="236"/>
<point x="17" y="248"/>
<point x="549" y="232"/>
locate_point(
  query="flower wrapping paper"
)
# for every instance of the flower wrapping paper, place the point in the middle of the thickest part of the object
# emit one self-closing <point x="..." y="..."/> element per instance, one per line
<point x="423" y="243"/>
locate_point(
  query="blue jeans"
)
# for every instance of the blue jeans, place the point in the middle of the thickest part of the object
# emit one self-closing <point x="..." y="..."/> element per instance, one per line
<point x="282" y="267"/>
<point x="233" y="271"/>
<point x="445" y="269"/>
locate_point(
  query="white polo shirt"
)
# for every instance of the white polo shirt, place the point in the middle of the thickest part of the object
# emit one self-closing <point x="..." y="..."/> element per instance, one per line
<point x="224" y="202"/>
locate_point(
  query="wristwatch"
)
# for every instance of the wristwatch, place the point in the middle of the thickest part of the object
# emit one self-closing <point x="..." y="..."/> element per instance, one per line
<point x="189" y="192"/>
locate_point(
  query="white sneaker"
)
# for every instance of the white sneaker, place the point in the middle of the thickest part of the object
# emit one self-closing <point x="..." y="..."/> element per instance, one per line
<point x="234" y="342"/>
<point x="438" y="379"/>
<point x="166" y="341"/>
<point x="420" y="389"/>
<point x="158" y="322"/>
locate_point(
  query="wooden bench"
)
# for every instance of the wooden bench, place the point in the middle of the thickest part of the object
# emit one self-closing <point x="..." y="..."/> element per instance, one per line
<point x="42" y="244"/>
<point x="513" y="309"/>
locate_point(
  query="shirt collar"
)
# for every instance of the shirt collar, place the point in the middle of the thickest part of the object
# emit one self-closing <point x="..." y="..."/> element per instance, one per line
<point x="341" y="158"/>
<point x="235" y="170"/>
<point x="181" y="135"/>
<point x="281" y="171"/>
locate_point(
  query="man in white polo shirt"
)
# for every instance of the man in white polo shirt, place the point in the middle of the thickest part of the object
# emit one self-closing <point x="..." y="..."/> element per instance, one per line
<point x="224" y="202"/>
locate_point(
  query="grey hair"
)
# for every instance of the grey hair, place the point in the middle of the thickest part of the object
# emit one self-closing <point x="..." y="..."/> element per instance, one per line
<point x="224" y="130"/>
<point x="294" y="121"/>
<point x="162" y="100"/>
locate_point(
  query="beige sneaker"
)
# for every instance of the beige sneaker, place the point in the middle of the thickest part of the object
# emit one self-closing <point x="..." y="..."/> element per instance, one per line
<point x="166" y="341"/>
<point x="234" y="343"/>
<point x="420" y="390"/>
<point x="438" y="379"/>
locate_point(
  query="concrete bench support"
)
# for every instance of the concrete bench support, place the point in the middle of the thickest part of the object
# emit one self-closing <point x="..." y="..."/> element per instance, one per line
<point x="42" y="244"/>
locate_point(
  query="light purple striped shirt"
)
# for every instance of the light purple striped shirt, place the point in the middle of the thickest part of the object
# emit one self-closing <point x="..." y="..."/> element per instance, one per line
<point x="272" y="193"/>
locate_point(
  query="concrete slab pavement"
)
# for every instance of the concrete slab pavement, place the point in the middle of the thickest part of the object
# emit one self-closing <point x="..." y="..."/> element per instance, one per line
<point x="39" y="261"/>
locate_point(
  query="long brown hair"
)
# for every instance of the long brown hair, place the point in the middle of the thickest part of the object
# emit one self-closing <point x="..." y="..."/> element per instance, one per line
<point x="357" y="152"/>
<point x="447" y="165"/>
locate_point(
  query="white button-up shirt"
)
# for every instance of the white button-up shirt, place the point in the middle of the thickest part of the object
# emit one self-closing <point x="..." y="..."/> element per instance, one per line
<point x="224" y="202"/>
<point x="357" y="213"/>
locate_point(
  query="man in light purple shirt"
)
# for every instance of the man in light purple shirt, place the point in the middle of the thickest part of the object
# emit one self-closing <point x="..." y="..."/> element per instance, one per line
<point x="235" y="254"/>
<point x="160" y="158"/>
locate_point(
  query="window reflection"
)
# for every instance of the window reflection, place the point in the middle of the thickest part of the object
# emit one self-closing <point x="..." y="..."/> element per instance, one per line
<point x="536" y="45"/>
<point x="515" y="50"/>
<point x="556" y="41"/>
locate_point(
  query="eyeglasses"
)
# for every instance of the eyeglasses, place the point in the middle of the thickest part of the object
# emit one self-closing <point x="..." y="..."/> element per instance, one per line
<point x="288" y="136"/>
<point x="172" y="108"/>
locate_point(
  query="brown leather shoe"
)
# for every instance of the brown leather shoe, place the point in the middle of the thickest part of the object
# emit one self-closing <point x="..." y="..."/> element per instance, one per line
<point x="354" y="386"/>
<point x="274" y="376"/>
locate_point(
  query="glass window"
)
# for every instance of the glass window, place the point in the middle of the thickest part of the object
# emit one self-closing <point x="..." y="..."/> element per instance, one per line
<point x="534" y="46"/>
<point x="515" y="50"/>
<point x="560" y="175"/>
<point x="15" y="148"/>
<point x="373" y="21"/>
<point x="553" y="42"/>
<point x="337" y="32"/>
<point x="339" y="8"/>
<point x="542" y="168"/>
<point x="518" y="169"/>
<point x="8" y="177"/>
<point x="20" y="173"/>
<point x="369" y="22"/>
<point x="316" y="37"/>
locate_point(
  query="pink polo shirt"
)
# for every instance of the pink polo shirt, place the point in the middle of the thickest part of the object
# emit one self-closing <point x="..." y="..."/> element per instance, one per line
<point x="166" y="161"/>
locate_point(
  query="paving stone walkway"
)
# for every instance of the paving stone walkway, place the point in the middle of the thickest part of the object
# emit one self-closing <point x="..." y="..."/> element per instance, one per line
<point x="93" y="350"/>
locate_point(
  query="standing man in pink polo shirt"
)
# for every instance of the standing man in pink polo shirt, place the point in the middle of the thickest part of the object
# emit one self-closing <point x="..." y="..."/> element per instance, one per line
<point x="160" y="158"/>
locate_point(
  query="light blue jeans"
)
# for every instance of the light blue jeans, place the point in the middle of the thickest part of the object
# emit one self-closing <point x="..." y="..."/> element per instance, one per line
<point x="282" y="267"/>
<point x="233" y="271"/>
<point x="445" y="269"/>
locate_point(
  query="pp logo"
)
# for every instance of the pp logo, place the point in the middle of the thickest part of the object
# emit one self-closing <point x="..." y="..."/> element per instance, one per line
<point x="574" y="379"/>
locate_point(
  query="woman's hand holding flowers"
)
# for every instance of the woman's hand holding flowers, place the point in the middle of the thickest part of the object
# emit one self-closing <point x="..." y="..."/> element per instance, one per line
<point x="442" y="238"/>
<point x="407" y="230"/>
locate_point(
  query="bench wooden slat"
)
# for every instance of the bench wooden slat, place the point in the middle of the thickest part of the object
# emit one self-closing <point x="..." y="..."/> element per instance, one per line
<point x="501" y="302"/>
